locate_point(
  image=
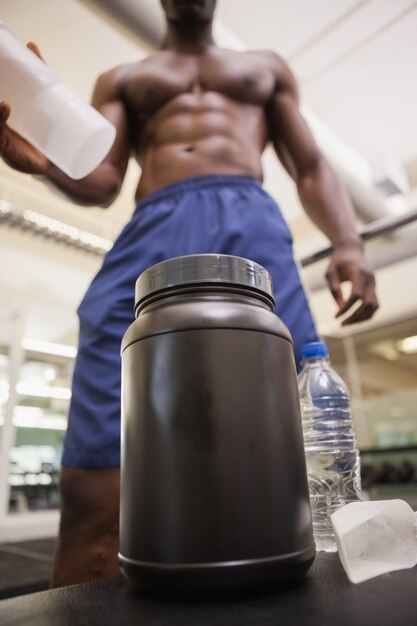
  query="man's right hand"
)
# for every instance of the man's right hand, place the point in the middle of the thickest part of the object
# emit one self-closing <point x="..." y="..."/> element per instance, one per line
<point x="16" y="151"/>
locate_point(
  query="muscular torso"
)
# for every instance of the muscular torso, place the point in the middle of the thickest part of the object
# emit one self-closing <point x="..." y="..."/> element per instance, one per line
<point x="192" y="115"/>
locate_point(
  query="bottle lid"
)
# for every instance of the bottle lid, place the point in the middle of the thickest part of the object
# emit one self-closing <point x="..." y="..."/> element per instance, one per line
<point x="314" y="349"/>
<point x="204" y="269"/>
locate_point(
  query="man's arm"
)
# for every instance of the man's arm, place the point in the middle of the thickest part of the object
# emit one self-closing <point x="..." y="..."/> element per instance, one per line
<point x="322" y="196"/>
<point x="101" y="186"/>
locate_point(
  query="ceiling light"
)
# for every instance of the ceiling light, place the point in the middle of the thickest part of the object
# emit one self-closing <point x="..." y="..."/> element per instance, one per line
<point x="36" y="391"/>
<point x="49" y="228"/>
<point x="27" y="411"/>
<point x="408" y="345"/>
<point x="46" y="347"/>
<point x="49" y="423"/>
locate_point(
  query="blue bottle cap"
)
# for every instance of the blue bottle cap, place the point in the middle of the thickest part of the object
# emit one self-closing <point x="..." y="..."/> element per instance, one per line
<point x="314" y="349"/>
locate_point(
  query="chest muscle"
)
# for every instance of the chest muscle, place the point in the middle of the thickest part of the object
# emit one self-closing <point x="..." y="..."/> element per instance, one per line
<point x="153" y="84"/>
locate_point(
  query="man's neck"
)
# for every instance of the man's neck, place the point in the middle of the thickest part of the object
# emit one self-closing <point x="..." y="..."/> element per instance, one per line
<point x="189" y="38"/>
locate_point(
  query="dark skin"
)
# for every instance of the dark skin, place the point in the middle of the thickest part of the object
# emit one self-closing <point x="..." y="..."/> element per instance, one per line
<point x="192" y="109"/>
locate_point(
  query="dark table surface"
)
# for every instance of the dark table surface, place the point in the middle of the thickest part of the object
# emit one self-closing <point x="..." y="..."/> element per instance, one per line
<point x="326" y="598"/>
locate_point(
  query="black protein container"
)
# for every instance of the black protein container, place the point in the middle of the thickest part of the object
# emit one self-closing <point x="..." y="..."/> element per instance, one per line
<point x="214" y="494"/>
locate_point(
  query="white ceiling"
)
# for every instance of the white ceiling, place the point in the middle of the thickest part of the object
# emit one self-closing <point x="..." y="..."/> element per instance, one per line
<point x="355" y="63"/>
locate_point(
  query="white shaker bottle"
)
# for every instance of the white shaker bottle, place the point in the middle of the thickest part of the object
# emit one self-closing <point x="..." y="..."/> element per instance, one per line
<point x="69" y="132"/>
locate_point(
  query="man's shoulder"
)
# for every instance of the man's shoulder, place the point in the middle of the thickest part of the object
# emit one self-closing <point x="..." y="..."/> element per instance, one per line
<point x="269" y="58"/>
<point x="116" y="74"/>
<point x="277" y="65"/>
<point x="125" y="70"/>
<point x="112" y="81"/>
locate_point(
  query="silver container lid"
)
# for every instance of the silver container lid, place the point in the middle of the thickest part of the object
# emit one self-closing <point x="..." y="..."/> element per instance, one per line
<point x="221" y="269"/>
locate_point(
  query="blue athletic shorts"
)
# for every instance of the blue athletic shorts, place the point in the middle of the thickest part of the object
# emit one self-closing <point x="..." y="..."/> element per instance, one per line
<point x="209" y="214"/>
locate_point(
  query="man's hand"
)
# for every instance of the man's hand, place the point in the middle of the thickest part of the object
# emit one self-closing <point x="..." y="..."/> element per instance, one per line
<point x="348" y="263"/>
<point x="15" y="150"/>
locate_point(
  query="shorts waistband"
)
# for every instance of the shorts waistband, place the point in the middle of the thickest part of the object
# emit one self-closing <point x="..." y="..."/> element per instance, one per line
<point x="195" y="184"/>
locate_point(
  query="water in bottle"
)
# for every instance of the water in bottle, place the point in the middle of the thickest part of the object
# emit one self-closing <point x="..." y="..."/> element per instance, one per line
<point x="332" y="457"/>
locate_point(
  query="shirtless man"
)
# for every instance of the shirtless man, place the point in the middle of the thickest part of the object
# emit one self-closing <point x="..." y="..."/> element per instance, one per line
<point x="197" y="119"/>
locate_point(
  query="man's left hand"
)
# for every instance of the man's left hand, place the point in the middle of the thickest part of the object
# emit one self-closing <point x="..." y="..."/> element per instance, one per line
<point x="349" y="264"/>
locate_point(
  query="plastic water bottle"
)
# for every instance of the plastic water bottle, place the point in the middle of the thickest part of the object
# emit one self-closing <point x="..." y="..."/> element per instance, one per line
<point x="332" y="457"/>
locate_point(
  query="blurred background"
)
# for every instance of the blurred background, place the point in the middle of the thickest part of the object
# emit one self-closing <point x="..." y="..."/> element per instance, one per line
<point x="355" y="64"/>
